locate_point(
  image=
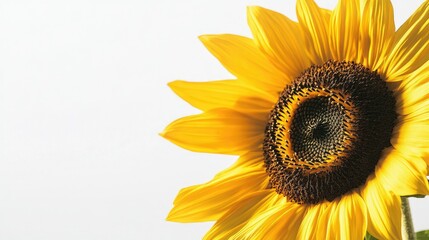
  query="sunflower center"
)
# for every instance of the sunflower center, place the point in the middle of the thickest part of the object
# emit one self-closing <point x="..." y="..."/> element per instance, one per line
<point x="316" y="128"/>
<point x="327" y="131"/>
<point x="320" y="131"/>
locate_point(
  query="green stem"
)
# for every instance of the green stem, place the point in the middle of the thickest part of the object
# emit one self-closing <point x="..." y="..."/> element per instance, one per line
<point x="407" y="221"/>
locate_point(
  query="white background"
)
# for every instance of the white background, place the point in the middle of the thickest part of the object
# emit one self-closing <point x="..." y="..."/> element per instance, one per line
<point x="83" y="98"/>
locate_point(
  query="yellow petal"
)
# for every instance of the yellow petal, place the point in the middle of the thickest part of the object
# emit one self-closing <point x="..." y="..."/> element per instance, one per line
<point x="207" y="202"/>
<point x="251" y="205"/>
<point x="384" y="210"/>
<point x="208" y="95"/>
<point x="217" y="131"/>
<point x="349" y="218"/>
<point x="279" y="38"/>
<point x="402" y="175"/>
<point x="377" y="31"/>
<point x="344" y="30"/>
<point x="414" y="101"/>
<point x="281" y="221"/>
<point x="242" y="58"/>
<point x="416" y="78"/>
<point x="411" y="137"/>
<point x="223" y="94"/>
<point x="246" y="161"/>
<point x="316" y="25"/>
<point x="410" y="48"/>
<point x="254" y="106"/>
<point x="412" y="96"/>
<point x="314" y="224"/>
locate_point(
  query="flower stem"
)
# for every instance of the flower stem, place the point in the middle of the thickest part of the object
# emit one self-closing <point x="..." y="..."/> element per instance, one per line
<point x="407" y="221"/>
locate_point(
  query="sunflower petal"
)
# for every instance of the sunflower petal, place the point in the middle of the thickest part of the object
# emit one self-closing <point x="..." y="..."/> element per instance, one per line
<point x="281" y="221"/>
<point x="414" y="101"/>
<point x="222" y="94"/>
<point x="377" y="30"/>
<point x="410" y="48"/>
<point x="411" y="137"/>
<point x="384" y="210"/>
<point x="404" y="176"/>
<point x="313" y="226"/>
<point x="349" y="218"/>
<point x="412" y="94"/>
<point x="238" y="215"/>
<point x="410" y="134"/>
<point x="344" y="30"/>
<point x="316" y="24"/>
<point x="243" y="59"/>
<point x="207" y="202"/>
<point x="279" y="38"/>
<point x="208" y="95"/>
<point x="216" y="131"/>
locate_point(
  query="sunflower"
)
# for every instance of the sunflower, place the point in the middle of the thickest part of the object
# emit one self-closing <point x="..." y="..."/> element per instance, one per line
<point x="329" y="117"/>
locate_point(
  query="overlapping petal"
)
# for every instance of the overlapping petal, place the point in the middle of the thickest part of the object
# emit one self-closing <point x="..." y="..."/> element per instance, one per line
<point x="314" y="224"/>
<point x="412" y="101"/>
<point x="239" y="214"/>
<point x="410" y="48"/>
<point x="281" y="221"/>
<point x="243" y="59"/>
<point x="384" y="210"/>
<point x="405" y="175"/>
<point x="207" y="202"/>
<point x="377" y="29"/>
<point x="279" y="38"/>
<point x="412" y="94"/>
<point x="343" y="218"/>
<point x="411" y="136"/>
<point x="344" y="30"/>
<point x="348" y="218"/>
<point x="315" y="23"/>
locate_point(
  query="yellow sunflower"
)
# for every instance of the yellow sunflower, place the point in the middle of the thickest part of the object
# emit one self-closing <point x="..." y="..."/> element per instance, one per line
<point x="330" y="118"/>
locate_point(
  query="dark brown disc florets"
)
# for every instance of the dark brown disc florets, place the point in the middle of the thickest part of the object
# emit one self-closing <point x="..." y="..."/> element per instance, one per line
<point x="327" y="130"/>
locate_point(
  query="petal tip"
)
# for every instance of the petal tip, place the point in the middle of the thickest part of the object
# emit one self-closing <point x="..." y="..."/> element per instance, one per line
<point x="174" y="84"/>
<point x="162" y="134"/>
<point x="166" y="133"/>
<point x="258" y="11"/>
<point x="253" y="9"/>
<point x="206" y="37"/>
<point x="171" y="216"/>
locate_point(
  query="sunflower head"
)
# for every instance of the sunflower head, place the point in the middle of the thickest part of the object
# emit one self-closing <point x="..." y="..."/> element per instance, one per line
<point x="329" y="116"/>
<point x="327" y="130"/>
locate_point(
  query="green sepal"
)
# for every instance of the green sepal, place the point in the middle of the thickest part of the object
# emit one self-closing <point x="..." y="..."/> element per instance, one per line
<point x="422" y="235"/>
<point x="369" y="237"/>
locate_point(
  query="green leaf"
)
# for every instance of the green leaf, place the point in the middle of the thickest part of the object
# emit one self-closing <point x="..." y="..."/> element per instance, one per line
<point x="422" y="235"/>
<point x="369" y="237"/>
